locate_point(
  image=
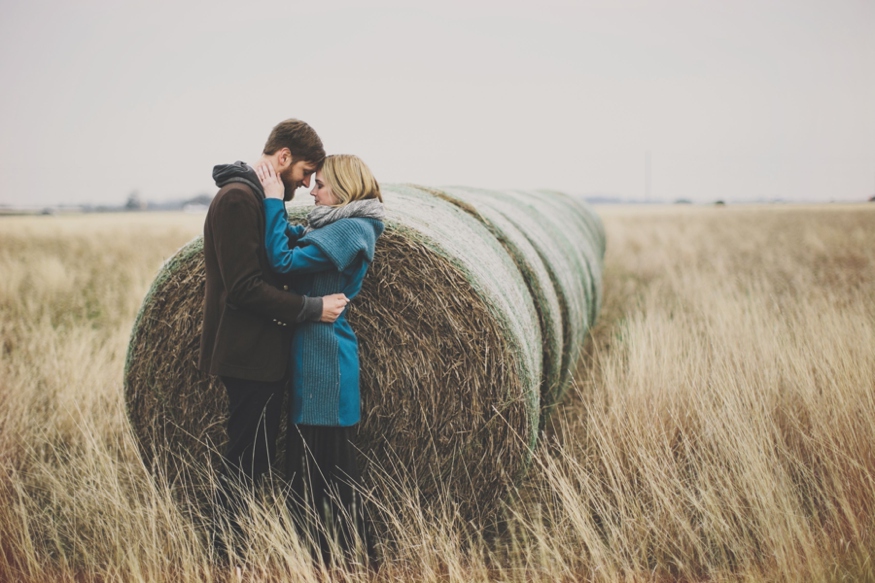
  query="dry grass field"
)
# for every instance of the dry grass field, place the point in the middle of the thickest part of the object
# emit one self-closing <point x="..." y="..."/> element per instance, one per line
<point x="721" y="428"/>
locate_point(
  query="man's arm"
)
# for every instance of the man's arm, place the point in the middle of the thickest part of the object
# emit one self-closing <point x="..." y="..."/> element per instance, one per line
<point x="236" y="241"/>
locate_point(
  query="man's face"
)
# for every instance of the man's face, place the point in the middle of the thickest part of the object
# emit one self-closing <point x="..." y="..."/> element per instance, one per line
<point x="296" y="175"/>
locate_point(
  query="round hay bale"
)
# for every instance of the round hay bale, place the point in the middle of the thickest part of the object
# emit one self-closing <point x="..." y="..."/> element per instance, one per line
<point x="451" y="357"/>
<point x="572" y="241"/>
<point x="591" y="248"/>
<point x="559" y="244"/>
<point x="495" y="213"/>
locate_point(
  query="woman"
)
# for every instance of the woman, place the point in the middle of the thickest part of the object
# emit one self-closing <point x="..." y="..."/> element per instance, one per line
<point x="331" y="255"/>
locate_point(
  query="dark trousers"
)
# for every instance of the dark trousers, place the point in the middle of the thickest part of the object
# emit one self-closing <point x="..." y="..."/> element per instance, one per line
<point x="323" y="471"/>
<point x="254" y="410"/>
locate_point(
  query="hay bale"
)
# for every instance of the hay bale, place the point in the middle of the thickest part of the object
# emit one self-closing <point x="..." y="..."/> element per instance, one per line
<point x="471" y="318"/>
<point x="591" y="250"/>
<point x="559" y="243"/>
<point x="450" y="351"/>
<point x="495" y="213"/>
<point x="176" y="411"/>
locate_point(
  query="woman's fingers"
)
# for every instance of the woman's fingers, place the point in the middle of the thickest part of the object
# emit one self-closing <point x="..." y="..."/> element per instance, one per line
<point x="270" y="180"/>
<point x="265" y="173"/>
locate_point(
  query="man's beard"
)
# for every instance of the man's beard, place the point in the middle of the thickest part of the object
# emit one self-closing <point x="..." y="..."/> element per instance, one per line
<point x="289" y="192"/>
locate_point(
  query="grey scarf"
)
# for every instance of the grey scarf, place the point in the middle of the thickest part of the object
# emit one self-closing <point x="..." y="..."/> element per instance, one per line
<point x="370" y="208"/>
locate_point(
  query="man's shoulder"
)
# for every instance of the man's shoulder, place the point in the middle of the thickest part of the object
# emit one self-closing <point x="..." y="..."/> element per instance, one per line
<point x="237" y="189"/>
<point x="235" y="195"/>
<point x="235" y="206"/>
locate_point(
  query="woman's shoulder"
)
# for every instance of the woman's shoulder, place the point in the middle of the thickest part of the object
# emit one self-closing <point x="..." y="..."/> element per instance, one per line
<point x="358" y="220"/>
<point x="348" y="225"/>
<point x="343" y="239"/>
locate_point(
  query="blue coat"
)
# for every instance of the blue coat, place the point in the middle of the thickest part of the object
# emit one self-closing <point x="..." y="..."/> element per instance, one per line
<point x="328" y="260"/>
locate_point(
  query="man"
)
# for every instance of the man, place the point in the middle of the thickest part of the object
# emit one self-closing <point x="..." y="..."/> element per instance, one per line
<point x="248" y="313"/>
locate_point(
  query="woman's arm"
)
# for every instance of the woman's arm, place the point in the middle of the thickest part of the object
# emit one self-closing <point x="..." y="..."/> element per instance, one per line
<point x="294" y="232"/>
<point x="282" y="258"/>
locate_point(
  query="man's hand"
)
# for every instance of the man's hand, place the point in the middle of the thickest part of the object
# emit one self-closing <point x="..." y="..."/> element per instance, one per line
<point x="270" y="182"/>
<point x="332" y="306"/>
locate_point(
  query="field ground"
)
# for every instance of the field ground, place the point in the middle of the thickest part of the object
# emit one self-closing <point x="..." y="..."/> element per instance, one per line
<point x="720" y="428"/>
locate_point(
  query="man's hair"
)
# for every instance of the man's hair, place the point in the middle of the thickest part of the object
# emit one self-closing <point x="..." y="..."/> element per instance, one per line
<point x="350" y="179"/>
<point x="299" y="138"/>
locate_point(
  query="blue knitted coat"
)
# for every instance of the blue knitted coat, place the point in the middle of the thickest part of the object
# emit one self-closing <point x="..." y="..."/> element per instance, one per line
<point x="328" y="260"/>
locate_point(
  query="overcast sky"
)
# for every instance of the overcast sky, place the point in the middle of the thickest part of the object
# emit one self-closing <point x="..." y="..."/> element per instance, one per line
<point x="735" y="99"/>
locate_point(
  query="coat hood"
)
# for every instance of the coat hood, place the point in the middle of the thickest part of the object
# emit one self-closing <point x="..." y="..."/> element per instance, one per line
<point x="237" y="172"/>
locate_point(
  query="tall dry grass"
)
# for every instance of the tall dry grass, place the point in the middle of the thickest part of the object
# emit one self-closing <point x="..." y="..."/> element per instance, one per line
<point x="721" y="427"/>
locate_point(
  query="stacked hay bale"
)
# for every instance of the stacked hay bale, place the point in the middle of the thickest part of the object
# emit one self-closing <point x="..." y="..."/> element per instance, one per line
<point x="559" y="243"/>
<point x="481" y="205"/>
<point x="470" y="320"/>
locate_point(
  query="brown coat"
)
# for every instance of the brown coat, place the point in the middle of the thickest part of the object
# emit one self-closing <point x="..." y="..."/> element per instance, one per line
<point x="248" y="317"/>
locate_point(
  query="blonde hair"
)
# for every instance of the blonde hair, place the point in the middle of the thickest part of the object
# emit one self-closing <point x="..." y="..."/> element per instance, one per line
<point x="350" y="179"/>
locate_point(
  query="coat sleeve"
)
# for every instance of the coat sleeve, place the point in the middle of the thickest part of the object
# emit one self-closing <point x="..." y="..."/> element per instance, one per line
<point x="236" y="228"/>
<point x="294" y="232"/>
<point x="282" y="257"/>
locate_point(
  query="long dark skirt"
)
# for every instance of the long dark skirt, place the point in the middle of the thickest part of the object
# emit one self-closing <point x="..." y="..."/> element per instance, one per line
<point x="323" y="472"/>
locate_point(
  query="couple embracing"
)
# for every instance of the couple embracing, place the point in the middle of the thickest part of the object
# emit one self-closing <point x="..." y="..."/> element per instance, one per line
<point x="274" y="322"/>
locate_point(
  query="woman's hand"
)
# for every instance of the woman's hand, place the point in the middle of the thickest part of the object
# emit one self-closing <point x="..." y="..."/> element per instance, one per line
<point x="270" y="181"/>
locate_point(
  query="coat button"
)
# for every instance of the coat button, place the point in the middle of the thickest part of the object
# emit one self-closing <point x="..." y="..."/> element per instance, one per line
<point x="285" y="287"/>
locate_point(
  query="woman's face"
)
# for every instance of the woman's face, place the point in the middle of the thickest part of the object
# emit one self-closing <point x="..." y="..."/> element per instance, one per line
<point x="321" y="192"/>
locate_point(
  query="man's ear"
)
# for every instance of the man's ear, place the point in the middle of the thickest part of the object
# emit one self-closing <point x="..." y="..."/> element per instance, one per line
<point x="284" y="158"/>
